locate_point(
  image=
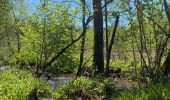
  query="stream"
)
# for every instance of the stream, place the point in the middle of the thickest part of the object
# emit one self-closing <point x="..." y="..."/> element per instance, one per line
<point x="4" y="67"/>
<point x="54" y="82"/>
<point x="57" y="82"/>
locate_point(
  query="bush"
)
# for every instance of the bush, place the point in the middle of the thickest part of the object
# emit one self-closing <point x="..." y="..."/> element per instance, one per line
<point x="16" y="85"/>
<point x="121" y="64"/>
<point x="85" y="88"/>
<point x="69" y="65"/>
<point x="153" y="92"/>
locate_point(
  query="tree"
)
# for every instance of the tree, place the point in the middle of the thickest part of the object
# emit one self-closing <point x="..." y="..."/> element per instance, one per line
<point x="7" y="30"/>
<point x="98" y="36"/>
<point x="83" y="38"/>
<point x="166" y="64"/>
<point x="111" y="44"/>
<point x="107" y="38"/>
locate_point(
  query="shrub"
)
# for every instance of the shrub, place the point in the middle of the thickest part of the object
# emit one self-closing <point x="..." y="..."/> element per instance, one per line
<point x="16" y="85"/>
<point x="85" y="87"/>
<point x="153" y="92"/>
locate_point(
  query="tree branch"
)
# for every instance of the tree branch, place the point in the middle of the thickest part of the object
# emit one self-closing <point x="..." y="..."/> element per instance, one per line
<point x="156" y="23"/>
<point x="44" y="67"/>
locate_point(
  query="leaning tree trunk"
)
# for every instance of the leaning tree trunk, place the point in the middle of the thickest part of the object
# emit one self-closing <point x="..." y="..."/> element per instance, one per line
<point x="98" y="36"/>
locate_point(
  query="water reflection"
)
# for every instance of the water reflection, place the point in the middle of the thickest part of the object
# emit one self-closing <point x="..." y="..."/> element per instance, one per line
<point x="56" y="82"/>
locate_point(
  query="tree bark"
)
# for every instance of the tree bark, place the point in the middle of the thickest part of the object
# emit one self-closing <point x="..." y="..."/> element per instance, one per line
<point x="107" y="39"/>
<point x="142" y="38"/>
<point x="98" y="36"/>
<point x="111" y="44"/>
<point x="83" y="39"/>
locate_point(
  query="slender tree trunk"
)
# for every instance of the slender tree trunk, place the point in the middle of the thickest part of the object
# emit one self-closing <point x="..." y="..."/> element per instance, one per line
<point x="133" y="42"/>
<point x="142" y="38"/>
<point x="166" y="64"/>
<point x="83" y="40"/>
<point x="40" y="64"/>
<point x="111" y="43"/>
<point x="98" y="36"/>
<point x="156" y="62"/>
<point x="71" y="35"/>
<point x="7" y="32"/>
<point x="43" y="36"/>
<point x="18" y="39"/>
<point x="18" y="42"/>
<point x="107" y="40"/>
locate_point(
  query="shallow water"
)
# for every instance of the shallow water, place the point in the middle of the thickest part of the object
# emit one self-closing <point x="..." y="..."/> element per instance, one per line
<point x="57" y="82"/>
<point x="3" y="67"/>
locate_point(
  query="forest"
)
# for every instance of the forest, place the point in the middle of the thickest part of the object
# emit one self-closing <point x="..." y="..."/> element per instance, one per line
<point x="84" y="50"/>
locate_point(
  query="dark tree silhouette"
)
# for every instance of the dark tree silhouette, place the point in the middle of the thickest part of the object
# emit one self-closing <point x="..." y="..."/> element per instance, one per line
<point x="98" y="36"/>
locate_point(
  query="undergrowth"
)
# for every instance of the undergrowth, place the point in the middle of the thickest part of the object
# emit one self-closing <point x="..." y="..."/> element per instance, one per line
<point x="85" y="88"/>
<point x="159" y="91"/>
<point x="16" y="84"/>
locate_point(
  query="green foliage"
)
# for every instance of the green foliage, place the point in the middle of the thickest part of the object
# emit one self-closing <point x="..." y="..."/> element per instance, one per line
<point x="42" y="34"/>
<point x="45" y="33"/>
<point x="16" y="85"/>
<point x="70" y="63"/>
<point x="153" y="92"/>
<point x="93" y="88"/>
<point x="71" y="87"/>
<point x="121" y="64"/>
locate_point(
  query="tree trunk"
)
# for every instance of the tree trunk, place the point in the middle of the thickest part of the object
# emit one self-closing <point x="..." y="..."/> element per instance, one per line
<point x="142" y="38"/>
<point x="83" y="40"/>
<point x="166" y="65"/>
<point x="107" y="40"/>
<point x="98" y="36"/>
<point x="111" y="44"/>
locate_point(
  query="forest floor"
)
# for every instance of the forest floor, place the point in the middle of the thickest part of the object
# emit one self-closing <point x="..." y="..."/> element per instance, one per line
<point x="17" y="84"/>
